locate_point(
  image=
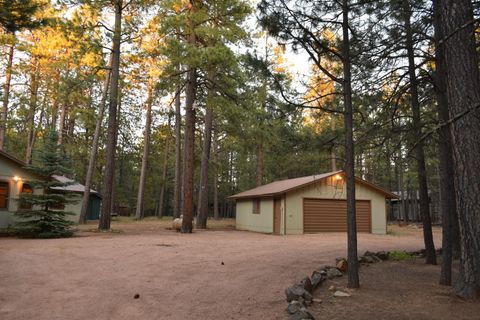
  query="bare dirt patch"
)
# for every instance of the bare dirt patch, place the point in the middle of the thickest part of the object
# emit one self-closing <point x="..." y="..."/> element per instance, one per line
<point x="214" y="274"/>
<point x="394" y="290"/>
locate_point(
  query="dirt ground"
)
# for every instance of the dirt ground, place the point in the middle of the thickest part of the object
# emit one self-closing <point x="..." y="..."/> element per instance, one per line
<point x="394" y="290"/>
<point x="214" y="274"/>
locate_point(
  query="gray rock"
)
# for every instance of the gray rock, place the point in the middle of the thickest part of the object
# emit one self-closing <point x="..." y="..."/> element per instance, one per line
<point x="306" y="283"/>
<point x="369" y="253"/>
<point x="333" y="273"/>
<point x="383" y="255"/>
<point x="317" y="279"/>
<point x="341" y="294"/>
<point x="366" y="259"/>
<point x="296" y="292"/>
<point x="302" y="314"/>
<point x="294" y="306"/>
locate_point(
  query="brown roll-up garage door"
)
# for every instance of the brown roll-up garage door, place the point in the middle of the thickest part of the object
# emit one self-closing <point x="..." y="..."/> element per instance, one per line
<point x="328" y="215"/>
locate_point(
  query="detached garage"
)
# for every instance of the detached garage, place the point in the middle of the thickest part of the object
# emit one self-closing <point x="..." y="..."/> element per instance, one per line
<point x="311" y="204"/>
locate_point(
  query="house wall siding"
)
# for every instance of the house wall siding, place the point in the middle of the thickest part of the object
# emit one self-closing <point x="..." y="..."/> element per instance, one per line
<point x="247" y="220"/>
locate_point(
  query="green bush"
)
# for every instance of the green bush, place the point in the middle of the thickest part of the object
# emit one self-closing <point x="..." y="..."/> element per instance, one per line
<point x="399" y="256"/>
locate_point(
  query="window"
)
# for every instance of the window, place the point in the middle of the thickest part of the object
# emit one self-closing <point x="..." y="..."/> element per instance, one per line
<point x="3" y="195"/>
<point x="24" y="205"/>
<point x="256" y="206"/>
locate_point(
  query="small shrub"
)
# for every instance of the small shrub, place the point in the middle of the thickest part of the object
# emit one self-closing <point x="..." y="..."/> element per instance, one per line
<point x="399" y="256"/>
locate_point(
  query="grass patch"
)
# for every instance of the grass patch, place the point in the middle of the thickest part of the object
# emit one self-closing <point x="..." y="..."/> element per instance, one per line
<point x="400" y="256"/>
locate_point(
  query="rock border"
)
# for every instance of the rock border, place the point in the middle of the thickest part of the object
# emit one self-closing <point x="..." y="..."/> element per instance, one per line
<point x="300" y="295"/>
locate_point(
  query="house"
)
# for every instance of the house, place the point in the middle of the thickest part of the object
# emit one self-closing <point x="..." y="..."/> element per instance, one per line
<point x="311" y="204"/>
<point x="14" y="180"/>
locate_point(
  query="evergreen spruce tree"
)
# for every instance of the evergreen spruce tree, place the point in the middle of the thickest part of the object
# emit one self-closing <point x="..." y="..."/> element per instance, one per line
<point x="46" y="217"/>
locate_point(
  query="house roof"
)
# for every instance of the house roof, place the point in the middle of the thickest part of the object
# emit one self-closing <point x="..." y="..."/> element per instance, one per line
<point x="283" y="186"/>
<point x="73" y="185"/>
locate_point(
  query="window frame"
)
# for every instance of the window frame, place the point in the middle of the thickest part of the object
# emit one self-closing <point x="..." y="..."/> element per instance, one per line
<point x="7" y="196"/>
<point x="23" y="206"/>
<point x="256" y="205"/>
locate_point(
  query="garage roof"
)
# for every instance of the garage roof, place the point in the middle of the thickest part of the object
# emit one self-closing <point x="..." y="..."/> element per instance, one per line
<point x="283" y="186"/>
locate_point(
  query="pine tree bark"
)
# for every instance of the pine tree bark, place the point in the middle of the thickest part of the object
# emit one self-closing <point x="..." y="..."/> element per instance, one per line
<point x="463" y="95"/>
<point x="446" y="172"/>
<point x="139" y="212"/>
<point x="6" y="95"/>
<point x="94" y="149"/>
<point x="419" y="148"/>
<point x="259" y="162"/>
<point x="164" y="171"/>
<point x="353" y="278"/>
<point x="31" y="112"/>
<point x="177" y="189"/>
<point x="108" y="179"/>
<point x="202" y="213"/>
<point x="190" y="96"/>
<point x="216" y="213"/>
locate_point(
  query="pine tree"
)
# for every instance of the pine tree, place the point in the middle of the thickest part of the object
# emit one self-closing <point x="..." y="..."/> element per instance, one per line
<point x="43" y="220"/>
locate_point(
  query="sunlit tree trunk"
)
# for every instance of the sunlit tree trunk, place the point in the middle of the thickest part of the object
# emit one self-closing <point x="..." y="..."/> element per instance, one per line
<point x="216" y="214"/>
<point x="161" y="202"/>
<point x="31" y="112"/>
<point x="94" y="149"/>
<point x="108" y="179"/>
<point x="6" y="94"/>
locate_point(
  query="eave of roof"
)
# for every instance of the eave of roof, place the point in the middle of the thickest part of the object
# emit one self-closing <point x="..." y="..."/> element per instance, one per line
<point x="262" y="191"/>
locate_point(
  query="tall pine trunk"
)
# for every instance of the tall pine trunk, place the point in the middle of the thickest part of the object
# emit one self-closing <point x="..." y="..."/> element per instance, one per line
<point x="189" y="152"/>
<point x="202" y="213"/>
<point x="216" y="214"/>
<point x="259" y="162"/>
<point x="139" y="212"/>
<point x="161" y="201"/>
<point x="353" y="279"/>
<point x="108" y="179"/>
<point x="94" y="149"/>
<point x="31" y="112"/>
<point x="463" y="95"/>
<point x="450" y="241"/>
<point x="6" y="94"/>
<point x="419" y="148"/>
<point x="177" y="188"/>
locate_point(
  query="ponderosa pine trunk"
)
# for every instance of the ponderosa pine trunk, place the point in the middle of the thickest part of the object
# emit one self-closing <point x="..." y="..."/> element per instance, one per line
<point x="139" y="212"/>
<point x="463" y="96"/>
<point x="6" y="95"/>
<point x="202" y="213"/>
<point x="353" y="278"/>
<point x="189" y="152"/>
<point x="177" y="189"/>
<point x="161" y="200"/>
<point x="31" y="112"/>
<point x="419" y="147"/>
<point x="94" y="149"/>
<point x="108" y="179"/>
<point x="259" y="162"/>
<point x="216" y="213"/>
<point x="187" y="208"/>
<point x="450" y="241"/>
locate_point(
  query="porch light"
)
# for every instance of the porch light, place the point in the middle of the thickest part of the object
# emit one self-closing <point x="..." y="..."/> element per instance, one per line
<point x="338" y="177"/>
<point x="16" y="178"/>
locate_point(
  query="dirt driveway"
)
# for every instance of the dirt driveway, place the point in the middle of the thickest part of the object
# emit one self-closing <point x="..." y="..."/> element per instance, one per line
<point x="222" y="274"/>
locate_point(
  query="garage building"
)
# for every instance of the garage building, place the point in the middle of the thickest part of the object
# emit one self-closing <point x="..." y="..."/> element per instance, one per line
<point x="311" y="204"/>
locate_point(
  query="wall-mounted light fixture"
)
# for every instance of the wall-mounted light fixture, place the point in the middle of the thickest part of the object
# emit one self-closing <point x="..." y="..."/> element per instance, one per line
<point x="338" y="177"/>
<point x="16" y="178"/>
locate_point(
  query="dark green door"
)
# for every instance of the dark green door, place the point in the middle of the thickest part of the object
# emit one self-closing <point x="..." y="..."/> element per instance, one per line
<point x="94" y="204"/>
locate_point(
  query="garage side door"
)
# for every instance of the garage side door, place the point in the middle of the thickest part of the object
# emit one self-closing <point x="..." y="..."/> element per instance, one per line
<point x="324" y="215"/>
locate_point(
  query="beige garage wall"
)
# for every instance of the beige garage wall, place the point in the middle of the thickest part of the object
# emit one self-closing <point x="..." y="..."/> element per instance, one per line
<point x="246" y="220"/>
<point x="330" y="188"/>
